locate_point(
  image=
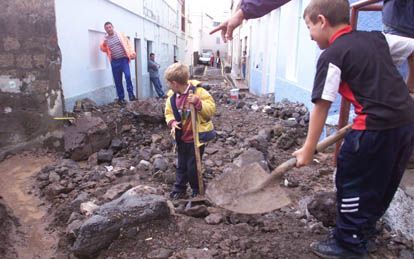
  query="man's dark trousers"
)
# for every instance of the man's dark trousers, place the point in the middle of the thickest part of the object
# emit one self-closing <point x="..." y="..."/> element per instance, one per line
<point x="370" y="167"/>
<point x="119" y="66"/>
<point x="186" y="167"/>
<point x="157" y="85"/>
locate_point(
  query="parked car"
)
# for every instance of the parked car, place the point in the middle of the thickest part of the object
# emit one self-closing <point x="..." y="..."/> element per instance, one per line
<point x="204" y="58"/>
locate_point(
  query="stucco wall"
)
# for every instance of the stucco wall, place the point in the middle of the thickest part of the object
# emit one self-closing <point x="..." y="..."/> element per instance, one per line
<point x="30" y="61"/>
<point x="86" y="72"/>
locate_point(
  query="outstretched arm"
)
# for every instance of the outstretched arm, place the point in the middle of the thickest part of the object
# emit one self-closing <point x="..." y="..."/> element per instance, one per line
<point x="249" y="9"/>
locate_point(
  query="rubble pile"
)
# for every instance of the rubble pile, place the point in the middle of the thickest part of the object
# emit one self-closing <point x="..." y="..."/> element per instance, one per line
<point x="114" y="202"/>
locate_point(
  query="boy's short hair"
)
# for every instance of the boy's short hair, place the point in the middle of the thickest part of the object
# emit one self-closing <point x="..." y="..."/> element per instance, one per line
<point x="177" y="72"/>
<point x="108" y="23"/>
<point x="335" y="11"/>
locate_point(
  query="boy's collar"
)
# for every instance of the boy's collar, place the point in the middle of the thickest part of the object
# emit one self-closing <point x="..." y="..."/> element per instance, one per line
<point x="339" y="33"/>
<point x="186" y="90"/>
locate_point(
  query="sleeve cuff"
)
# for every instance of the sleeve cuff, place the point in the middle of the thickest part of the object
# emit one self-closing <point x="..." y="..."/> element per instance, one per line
<point x="170" y="123"/>
<point x="198" y="105"/>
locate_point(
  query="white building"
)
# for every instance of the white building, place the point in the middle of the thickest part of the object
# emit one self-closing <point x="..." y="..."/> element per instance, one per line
<point x="203" y="20"/>
<point x="156" y="26"/>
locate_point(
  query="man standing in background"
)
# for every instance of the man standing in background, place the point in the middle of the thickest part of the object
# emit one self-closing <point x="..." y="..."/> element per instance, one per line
<point x="120" y="52"/>
<point x="154" y="75"/>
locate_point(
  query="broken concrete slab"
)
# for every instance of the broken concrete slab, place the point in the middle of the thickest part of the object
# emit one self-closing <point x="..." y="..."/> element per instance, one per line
<point x="87" y="136"/>
<point x="131" y="209"/>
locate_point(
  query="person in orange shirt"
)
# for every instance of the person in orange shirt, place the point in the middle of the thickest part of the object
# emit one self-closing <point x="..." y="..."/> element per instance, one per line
<point x="120" y="52"/>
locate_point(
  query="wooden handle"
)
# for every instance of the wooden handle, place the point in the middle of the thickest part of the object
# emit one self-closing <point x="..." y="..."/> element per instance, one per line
<point x="196" y="148"/>
<point x="284" y="167"/>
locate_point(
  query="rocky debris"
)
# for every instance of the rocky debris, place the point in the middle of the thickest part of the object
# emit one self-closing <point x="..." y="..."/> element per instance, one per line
<point x="7" y="225"/>
<point x="87" y="136"/>
<point x="160" y="253"/>
<point x="214" y="219"/>
<point x="85" y="105"/>
<point x="149" y="110"/>
<point x="131" y="209"/>
<point x="105" y="156"/>
<point x="116" y="190"/>
<point x="193" y="253"/>
<point x="88" y="208"/>
<point x="116" y="145"/>
<point x="323" y="208"/>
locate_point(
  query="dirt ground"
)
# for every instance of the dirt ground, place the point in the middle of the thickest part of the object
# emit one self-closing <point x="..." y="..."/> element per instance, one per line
<point x="43" y="213"/>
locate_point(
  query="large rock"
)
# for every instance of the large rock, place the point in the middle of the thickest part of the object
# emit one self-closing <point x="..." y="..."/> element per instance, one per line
<point x="323" y="208"/>
<point x="87" y="136"/>
<point x="150" y="110"/>
<point x="132" y="208"/>
<point x="85" y="105"/>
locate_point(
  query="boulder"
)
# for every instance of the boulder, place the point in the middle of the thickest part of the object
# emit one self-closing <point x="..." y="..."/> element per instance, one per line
<point x="149" y="110"/>
<point x="105" y="156"/>
<point x="85" y="137"/>
<point x="323" y="208"/>
<point x="131" y="209"/>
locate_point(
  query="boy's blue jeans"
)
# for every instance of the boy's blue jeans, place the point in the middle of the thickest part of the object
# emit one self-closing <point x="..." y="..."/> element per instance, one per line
<point x="370" y="167"/>
<point x="119" y="66"/>
<point x="186" y="167"/>
<point x="157" y="85"/>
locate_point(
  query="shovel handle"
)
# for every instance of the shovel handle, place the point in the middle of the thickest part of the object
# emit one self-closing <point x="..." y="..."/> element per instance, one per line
<point x="322" y="145"/>
<point x="196" y="148"/>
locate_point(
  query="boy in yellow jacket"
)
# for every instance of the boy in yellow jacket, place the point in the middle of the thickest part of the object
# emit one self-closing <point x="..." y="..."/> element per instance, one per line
<point x="178" y="118"/>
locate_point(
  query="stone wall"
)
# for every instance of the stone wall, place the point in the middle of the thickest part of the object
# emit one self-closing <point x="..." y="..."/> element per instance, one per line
<point x="30" y="61"/>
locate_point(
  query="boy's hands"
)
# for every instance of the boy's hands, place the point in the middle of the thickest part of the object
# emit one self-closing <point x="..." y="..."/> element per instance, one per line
<point x="174" y="126"/>
<point x="193" y="99"/>
<point x="304" y="156"/>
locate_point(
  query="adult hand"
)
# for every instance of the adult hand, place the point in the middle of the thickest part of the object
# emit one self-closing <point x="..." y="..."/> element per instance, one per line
<point x="228" y="26"/>
<point x="303" y="156"/>
<point x="133" y="56"/>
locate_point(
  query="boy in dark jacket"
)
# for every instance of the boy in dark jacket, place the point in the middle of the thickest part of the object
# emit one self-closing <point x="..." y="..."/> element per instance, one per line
<point x="375" y="153"/>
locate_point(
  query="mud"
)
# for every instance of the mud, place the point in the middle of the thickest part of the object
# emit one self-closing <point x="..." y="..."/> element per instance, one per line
<point x="32" y="238"/>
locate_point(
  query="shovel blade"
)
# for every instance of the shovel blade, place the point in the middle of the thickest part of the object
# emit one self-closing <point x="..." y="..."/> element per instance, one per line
<point x="231" y="191"/>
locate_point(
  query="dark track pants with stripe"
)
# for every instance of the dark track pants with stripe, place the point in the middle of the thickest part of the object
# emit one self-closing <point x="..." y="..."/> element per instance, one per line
<point x="370" y="167"/>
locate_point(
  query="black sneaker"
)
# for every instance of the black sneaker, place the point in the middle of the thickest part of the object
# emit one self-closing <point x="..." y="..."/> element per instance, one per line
<point x="331" y="249"/>
<point x="132" y="98"/>
<point x="177" y="195"/>
<point x="121" y="102"/>
<point x="194" y="193"/>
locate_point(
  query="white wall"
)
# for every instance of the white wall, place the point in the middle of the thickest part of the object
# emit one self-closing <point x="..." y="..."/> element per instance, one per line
<point x="86" y="72"/>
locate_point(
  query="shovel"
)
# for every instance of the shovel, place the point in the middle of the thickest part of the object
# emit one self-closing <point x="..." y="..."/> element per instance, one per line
<point x="251" y="190"/>
<point x="196" y="148"/>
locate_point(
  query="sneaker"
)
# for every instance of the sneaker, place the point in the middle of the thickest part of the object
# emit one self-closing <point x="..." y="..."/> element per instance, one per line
<point x="177" y="195"/>
<point x="121" y="102"/>
<point x="194" y="193"/>
<point x="132" y="98"/>
<point x="331" y="249"/>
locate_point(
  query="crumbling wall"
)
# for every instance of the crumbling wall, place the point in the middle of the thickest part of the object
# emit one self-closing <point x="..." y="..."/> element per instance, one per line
<point x="30" y="61"/>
